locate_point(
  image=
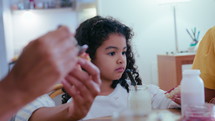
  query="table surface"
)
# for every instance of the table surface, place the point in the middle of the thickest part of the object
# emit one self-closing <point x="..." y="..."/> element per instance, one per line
<point x="172" y="114"/>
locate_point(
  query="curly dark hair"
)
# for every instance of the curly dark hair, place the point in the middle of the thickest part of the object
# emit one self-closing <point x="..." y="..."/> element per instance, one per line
<point x="94" y="32"/>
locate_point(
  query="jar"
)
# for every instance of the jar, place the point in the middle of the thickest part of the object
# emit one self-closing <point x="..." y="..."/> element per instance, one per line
<point x="204" y="112"/>
<point x="139" y="100"/>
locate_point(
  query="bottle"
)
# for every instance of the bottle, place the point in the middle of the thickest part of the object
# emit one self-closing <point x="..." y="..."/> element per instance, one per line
<point x="139" y="100"/>
<point x="192" y="90"/>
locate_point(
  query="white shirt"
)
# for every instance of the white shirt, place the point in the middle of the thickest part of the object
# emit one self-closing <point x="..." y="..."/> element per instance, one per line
<point x="25" y="113"/>
<point x="117" y="101"/>
<point x="106" y="105"/>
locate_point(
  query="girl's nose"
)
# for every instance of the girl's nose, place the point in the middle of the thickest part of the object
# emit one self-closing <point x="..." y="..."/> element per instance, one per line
<point x="121" y="60"/>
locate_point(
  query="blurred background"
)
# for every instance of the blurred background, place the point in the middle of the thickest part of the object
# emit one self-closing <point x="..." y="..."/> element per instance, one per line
<point x="158" y="25"/>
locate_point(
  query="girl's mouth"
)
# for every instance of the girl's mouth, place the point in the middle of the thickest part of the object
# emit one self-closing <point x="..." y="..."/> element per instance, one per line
<point x="120" y="69"/>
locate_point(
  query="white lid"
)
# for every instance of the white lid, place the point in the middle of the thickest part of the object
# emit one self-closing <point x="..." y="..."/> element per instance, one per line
<point x="191" y="71"/>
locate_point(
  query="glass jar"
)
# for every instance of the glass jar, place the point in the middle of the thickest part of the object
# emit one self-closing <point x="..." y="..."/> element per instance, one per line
<point x="204" y="112"/>
<point x="139" y="100"/>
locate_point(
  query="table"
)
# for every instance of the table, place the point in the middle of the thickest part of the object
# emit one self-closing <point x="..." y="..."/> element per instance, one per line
<point x="174" y="114"/>
<point x="170" y="69"/>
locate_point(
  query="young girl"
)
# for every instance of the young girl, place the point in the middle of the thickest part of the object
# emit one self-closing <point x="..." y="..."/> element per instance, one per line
<point x="109" y="48"/>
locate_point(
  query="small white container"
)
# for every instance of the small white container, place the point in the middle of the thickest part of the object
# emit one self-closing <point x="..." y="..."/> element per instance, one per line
<point x="192" y="89"/>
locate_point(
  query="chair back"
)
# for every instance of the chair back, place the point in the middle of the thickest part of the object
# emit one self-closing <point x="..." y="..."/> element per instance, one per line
<point x="57" y="90"/>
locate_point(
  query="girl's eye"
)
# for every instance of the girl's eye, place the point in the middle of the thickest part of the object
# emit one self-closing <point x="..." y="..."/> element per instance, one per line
<point x="124" y="53"/>
<point x="111" y="53"/>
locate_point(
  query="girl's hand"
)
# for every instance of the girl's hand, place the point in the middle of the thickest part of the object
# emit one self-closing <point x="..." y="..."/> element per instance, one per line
<point x="174" y="94"/>
<point x="177" y="98"/>
<point x="212" y="100"/>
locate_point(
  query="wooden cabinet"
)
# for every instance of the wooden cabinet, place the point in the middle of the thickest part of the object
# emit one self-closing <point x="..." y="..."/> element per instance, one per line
<point x="170" y="69"/>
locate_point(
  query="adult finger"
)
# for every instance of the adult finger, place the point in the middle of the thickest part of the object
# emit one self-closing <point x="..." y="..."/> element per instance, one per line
<point x="91" y="69"/>
<point x="79" y="100"/>
<point x="80" y="87"/>
<point x="86" y="80"/>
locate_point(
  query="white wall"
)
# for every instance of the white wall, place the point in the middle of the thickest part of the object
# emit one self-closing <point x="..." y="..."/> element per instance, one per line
<point x="20" y="27"/>
<point x="28" y="25"/>
<point x="3" y="62"/>
<point x="5" y="34"/>
<point x="154" y="28"/>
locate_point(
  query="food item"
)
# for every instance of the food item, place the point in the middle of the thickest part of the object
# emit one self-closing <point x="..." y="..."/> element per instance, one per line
<point x="85" y="56"/>
<point x="174" y="91"/>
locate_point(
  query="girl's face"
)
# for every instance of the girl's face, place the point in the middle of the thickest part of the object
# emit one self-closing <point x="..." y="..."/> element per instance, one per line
<point x="110" y="57"/>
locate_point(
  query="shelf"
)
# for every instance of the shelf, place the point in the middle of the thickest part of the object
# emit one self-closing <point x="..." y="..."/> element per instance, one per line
<point x="45" y="10"/>
<point x="170" y="69"/>
<point x="77" y="6"/>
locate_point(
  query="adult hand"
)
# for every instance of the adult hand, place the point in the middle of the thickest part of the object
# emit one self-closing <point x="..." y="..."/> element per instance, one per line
<point x="42" y="63"/>
<point x="83" y="87"/>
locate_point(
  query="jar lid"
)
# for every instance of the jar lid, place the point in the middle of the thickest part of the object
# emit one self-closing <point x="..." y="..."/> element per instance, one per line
<point x="191" y="71"/>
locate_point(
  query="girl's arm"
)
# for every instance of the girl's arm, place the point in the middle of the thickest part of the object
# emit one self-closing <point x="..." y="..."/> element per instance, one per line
<point x="58" y="113"/>
<point x="26" y="112"/>
<point x="159" y="100"/>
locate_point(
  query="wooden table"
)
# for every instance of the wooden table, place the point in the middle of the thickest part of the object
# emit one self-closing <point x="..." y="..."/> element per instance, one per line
<point x="174" y="114"/>
<point x="170" y="69"/>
